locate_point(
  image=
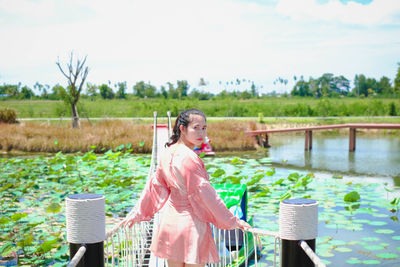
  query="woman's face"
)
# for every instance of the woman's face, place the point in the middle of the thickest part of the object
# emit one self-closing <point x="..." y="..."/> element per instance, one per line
<point x="194" y="134"/>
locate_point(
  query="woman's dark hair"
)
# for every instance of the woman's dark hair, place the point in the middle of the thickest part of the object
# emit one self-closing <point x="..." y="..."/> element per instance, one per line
<point x="184" y="120"/>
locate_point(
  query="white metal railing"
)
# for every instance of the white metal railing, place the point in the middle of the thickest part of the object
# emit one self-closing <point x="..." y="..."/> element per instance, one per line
<point x="241" y="248"/>
<point x="130" y="246"/>
<point x="77" y="257"/>
<point x="126" y="246"/>
<point x="311" y="254"/>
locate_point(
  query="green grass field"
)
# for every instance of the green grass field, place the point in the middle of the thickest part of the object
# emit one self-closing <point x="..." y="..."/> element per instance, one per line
<point x="266" y="107"/>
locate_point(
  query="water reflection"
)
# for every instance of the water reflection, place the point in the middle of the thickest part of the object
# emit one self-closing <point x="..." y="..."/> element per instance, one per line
<point x="374" y="155"/>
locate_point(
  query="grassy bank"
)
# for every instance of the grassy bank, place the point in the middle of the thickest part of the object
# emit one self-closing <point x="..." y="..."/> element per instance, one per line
<point x="268" y="107"/>
<point x="109" y="134"/>
<point x="225" y="135"/>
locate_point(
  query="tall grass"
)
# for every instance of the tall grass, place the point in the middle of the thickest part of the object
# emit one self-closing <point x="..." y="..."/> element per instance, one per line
<point x="225" y="135"/>
<point x="268" y="107"/>
<point x="110" y="134"/>
<point x="104" y="135"/>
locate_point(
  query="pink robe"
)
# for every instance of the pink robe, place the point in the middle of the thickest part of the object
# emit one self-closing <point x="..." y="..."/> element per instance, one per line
<point x="182" y="183"/>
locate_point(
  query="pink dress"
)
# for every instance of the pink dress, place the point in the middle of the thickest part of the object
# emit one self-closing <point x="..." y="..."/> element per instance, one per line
<point x="181" y="183"/>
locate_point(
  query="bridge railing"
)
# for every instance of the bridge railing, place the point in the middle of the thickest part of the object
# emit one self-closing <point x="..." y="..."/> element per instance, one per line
<point x="126" y="246"/>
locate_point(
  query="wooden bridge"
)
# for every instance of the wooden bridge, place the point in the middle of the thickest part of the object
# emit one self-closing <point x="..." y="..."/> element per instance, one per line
<point x="264" y="142"/>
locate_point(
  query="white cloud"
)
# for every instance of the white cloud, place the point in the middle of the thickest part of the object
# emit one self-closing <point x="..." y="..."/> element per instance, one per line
<point x="378" y="12"/>
<point x="27" y="8"/>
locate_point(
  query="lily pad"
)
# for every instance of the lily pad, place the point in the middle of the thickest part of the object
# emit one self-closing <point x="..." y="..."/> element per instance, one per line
<point x="353" y="196"/>
<point x="325" y="254"/>
<point x="377" y="223"/>
<point x="353" y="261"/>
<point x="384" y="231"/>
<point x="371" y="262"/>
<point x="380" y="215"/>
<point x="53" y="208"/>
<point x="343" y="249"/>
<point x="387" y="255"/>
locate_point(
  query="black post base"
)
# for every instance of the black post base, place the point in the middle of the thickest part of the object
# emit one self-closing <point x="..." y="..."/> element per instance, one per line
<point x="292" y="255"/>
<point x="93" y="257"/>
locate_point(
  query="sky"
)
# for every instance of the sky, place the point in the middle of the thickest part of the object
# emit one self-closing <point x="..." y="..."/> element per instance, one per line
<point x="159" y="41"/>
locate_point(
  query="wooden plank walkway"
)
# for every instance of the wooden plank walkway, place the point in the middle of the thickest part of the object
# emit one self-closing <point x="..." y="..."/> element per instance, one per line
<point x="264" y="142"/>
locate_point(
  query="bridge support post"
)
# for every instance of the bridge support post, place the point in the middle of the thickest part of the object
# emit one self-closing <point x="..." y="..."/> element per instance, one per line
<point x="266" y="143"/>
<point x="308" y="140"/>
<point x="86" y="226"/>
<point x="352" y="139"/>
<point x="298" y="220"/>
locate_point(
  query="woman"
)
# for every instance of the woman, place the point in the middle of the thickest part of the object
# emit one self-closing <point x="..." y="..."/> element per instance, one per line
<point x="181" y="181"/>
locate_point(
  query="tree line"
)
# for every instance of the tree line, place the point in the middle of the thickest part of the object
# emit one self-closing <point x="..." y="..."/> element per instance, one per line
<point x="328" y="85"/>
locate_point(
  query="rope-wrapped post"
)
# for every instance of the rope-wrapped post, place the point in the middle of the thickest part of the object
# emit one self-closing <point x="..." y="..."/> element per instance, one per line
<point x="86" y="225"/>
<point x="298" y="220"/>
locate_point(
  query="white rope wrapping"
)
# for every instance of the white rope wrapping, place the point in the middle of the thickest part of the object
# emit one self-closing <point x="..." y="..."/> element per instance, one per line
<point x="86" y="220"/>
<point x="298" y="221"/>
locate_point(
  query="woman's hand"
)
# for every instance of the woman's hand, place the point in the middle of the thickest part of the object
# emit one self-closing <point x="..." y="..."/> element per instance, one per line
<point x="127" y="222"/>
<point x="244" y="225"/>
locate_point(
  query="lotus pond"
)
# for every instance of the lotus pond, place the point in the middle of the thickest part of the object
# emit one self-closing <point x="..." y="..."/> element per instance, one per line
<point x="358" y="220"/>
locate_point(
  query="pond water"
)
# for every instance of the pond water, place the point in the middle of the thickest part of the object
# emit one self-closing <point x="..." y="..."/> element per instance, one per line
<point x="366" y="233"/>
<point x="350" y="234"/>
<point x="374" y="155"/>
<point x="33" y="191"/>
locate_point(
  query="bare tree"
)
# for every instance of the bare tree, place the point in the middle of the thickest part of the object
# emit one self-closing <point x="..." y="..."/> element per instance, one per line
<point x="74" y="89"/>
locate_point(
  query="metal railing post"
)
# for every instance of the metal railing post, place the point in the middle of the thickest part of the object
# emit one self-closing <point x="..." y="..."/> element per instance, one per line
<point x="86" y="226"/>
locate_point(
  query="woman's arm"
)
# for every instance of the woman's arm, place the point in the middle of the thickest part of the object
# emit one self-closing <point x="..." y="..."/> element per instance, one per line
<point x="153" y="198"/>
<point x="206" y="203"/>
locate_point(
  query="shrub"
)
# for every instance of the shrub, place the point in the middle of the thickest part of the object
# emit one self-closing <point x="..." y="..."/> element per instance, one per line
<point x="392" y="109"/>
<point x="8" y="116"/>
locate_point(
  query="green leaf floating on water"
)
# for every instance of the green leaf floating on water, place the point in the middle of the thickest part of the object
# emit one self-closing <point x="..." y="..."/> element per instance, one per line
<point x="396" y="237"/>
<point x="7" y="248"/>
<point x="384" y="231"/>
<point x="343" y="249"/>
<point x="294" y="177"/>
<point x="47" y="246"/>
<point x="271" y="172"/>
<point x="377" y="223"/>
<point x="218" y="173"/>
<point x="353" y="196"/>
<point x="395" y="201"/>
<point x="353" y="261"/>
<point x="279" y="182"/>
<point x="236" y="161"/>
<point x="120" y="147"/>
<point x="255" y="179"/>
<point x="371" y="262"/>
<point x="287" y="195"/>
<point x="18" y="216"/>
<point x="53" y="208"/>
<point x="387" y="255"/>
